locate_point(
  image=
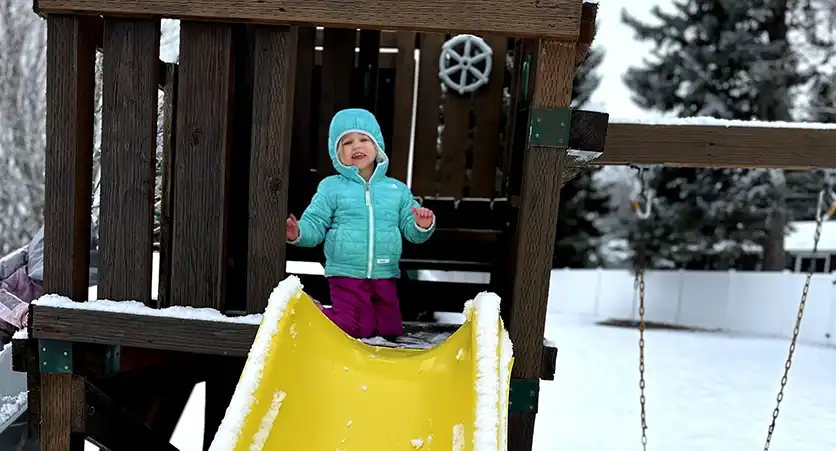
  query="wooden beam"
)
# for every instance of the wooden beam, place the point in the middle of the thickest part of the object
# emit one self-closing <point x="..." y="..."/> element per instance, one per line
<point x="71" y="53"/>
<point x="200" y="188"/>
<point x="718" y="146"/>
<point x="272" y="125"/>
<point x="162" y="333"/>
<point x="129" y="146"/>
<point x="552" y="19"/>
<point x="540" y="197"/>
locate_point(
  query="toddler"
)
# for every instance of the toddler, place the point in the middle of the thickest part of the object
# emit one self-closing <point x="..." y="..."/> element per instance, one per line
<point x="361" y="214"/>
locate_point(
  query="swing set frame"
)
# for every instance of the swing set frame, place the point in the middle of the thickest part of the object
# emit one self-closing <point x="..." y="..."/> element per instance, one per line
<point x="642" y="206"/>
<point x="66" y="402"/>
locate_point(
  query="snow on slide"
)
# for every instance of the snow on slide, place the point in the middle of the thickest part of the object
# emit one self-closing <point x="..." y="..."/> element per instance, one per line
<point x="308" y="386"/>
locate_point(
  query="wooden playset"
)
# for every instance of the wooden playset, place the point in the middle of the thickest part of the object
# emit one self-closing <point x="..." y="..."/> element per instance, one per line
<point x="246" y="113"/>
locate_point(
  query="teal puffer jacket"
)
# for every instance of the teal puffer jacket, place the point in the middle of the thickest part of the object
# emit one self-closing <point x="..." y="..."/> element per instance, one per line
<point x="361" y="223"/>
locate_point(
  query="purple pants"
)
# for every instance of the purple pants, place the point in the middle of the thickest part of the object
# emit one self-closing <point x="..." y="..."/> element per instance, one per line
<point x="364" y="308"/>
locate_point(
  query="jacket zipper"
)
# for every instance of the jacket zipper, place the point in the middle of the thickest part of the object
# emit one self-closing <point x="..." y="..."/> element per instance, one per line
<point x="371" y="229"/>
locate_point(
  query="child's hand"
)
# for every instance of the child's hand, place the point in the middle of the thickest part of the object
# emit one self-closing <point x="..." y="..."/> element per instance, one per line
<point x="292" y="228"/>
<point x="423" y="217"/>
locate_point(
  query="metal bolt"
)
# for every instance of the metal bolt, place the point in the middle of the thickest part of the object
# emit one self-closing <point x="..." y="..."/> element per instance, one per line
<point x="560" y="140"/>
<point x="537" y="135"/>
<point x="44" y="363"/>
<point x="562" y="124"/>
<point x="531" y="393"/>
<point x="65" y="352"/>
<point x="65" y="367"/>
<point x="539" y="119"/>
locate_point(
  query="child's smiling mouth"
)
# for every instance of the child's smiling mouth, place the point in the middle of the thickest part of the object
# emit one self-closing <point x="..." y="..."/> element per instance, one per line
<point x="358" y="156"/>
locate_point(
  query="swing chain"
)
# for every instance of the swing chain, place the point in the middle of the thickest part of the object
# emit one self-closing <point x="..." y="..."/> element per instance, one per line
<point x="641" y="193"/>
<point x="641" y="358"/>
<point x="819" y="220"/>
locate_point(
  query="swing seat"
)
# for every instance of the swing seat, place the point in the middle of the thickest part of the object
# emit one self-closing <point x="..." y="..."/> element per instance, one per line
<point x="308" y="386"/>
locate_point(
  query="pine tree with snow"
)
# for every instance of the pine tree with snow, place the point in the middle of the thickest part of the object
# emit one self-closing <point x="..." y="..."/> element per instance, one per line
<point x="582" y="202"/>
<point x="728" y="59"/>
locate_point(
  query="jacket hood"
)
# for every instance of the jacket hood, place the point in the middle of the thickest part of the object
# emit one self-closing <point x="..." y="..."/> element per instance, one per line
<point x="356" y="120"/>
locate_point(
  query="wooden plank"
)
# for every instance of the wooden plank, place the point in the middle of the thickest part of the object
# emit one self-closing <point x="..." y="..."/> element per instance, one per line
<point x="199" y="336"/>
<point x="337" y="66"/>
<point x="488" y="110"/>
<point x="425" y="153"/>
<point x="129" y="149"/>
<point x="588" y="130"/>
<point x="273" y="91"/>
<point x="536" y="233"/>
<point x="167" y="201"/>
<point x="203" y="129"/>
<point x="404" y="95"/>
<point x="71" y="48"/>
<point x="455" y="144"/>
<point x="303" y="149"/>
<point x="553" y="19"/>
<point x="717" y="146"/>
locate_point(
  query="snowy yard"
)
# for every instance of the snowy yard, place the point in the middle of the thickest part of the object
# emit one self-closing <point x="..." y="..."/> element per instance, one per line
<point x="705" y="391"/>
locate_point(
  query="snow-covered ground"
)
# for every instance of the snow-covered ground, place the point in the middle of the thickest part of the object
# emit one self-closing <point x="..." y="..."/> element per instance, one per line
<point x="704" y="391"/>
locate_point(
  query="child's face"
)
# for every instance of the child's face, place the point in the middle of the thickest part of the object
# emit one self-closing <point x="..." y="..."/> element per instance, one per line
<point x="357" y="149"/>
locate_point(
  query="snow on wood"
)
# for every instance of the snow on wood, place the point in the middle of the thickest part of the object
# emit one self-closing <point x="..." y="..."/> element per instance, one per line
<point x="138" y="308"/>
<point x="22" y="334"/>
<point x="710" y="121"/>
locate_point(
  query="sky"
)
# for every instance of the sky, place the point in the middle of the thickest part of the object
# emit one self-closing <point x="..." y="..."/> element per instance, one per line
<point x="621" y="51"/>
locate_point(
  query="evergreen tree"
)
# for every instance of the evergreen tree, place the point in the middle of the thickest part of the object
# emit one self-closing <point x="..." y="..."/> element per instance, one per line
<point x="727" y="59"/>
<point x="581" y="202"/>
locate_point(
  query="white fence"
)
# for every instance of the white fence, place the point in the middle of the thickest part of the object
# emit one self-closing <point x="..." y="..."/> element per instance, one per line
<point x="751" y="303"/>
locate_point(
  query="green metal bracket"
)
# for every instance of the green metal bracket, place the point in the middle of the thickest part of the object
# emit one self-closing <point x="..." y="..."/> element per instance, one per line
<point x="113" y="358"/>
<point x="55" y="356"/>
<point x="550" y="127"/>
<point x="524" y="395"/>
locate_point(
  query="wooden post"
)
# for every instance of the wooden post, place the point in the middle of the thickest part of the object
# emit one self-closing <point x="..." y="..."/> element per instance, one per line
<point x="540" y="195"/>
<point x="71" y="50"/>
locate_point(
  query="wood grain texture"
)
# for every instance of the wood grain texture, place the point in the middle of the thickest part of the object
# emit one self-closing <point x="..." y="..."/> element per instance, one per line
<point x="488" y="109"/>
<point x="71" y="48"/>
<point x="552" y="19"/>
<point x="708" y="146"/>
<point x="152" y="332"/>
<point x="69" y="154"/>
<point x="129" y="148"/>
<point x="59" y="412"/>
<point x="540" y="198"/>
<point x="455" y="142"/>
<point x="273" y="91"/>
<point x="198" y="260"/>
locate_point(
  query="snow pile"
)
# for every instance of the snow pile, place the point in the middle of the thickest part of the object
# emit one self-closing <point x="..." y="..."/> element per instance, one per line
<point x="243" y="398"/>
<point x="22" y="334"/>
<point x="13" y="394"/>
<point x="138" y="308"/>
<point x="11" y="405"/>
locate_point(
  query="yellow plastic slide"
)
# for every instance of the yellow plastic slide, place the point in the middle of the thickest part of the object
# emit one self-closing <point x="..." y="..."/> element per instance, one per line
<point x="307" y="386"/>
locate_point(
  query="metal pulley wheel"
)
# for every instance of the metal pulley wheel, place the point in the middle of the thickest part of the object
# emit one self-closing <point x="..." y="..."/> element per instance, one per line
<point x="465" y="63"/>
